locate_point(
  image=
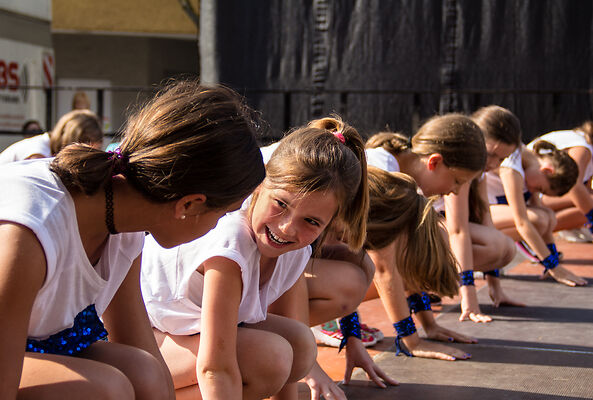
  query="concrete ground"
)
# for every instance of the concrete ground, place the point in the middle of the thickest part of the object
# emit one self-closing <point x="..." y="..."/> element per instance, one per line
<point x="542" y="351"/>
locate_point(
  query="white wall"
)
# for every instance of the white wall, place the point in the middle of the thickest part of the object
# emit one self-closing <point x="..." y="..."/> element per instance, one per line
<point x="33" y="8"/>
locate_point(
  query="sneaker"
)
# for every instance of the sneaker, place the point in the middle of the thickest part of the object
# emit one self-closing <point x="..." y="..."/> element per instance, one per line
<point x="330" y="334"/>
<point x="526" y="251"/>
<point x="374" y="332"/>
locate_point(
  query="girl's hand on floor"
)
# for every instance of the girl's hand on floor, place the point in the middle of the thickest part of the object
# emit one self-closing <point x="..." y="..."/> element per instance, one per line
<point x="357" y="356"/>
<point x="562" y="275"/>
<point x="322" y="385"/>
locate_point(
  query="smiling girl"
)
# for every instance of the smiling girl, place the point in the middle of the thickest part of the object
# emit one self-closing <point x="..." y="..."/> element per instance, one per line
<point x="208" y="299"/>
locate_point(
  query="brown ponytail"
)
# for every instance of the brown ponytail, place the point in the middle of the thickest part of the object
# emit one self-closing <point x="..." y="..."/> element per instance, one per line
<point x="396" y="208"/>
<point x="394" y="142"/>
<point x="188" y="139"/>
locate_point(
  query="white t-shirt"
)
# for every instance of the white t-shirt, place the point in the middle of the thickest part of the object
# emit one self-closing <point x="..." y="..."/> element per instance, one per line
<point x="381" y="158"/>
<point x="25" y="148"/>
<point x="38" y="200"/>
<point x="496" y="193"/>
<point x="565" y="140"/>
<point x="172" y="287"/>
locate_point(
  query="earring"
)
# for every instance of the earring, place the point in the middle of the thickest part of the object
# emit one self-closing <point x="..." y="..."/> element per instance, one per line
<point x="182" y="216"/>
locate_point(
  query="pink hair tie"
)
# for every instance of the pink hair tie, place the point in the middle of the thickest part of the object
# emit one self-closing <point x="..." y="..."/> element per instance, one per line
<point x="340" y="136"/>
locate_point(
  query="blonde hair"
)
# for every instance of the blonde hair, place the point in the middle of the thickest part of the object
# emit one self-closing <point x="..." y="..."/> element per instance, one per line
<point x="454" y="136"/>
<point x="566" y="170"/>
<point x="313" y="158"/>
<point x="80" y="101"/>
<point x="396" y="208"/>
<point x="587" y="128"/>
<point x="77" y="126"/>
<point x="188" y="139"/>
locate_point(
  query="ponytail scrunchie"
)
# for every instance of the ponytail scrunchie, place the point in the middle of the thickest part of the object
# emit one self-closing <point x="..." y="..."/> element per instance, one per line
<point x="340" y="136"/>
<point x="418" y="302"/>
<point x="350" y="326"/>
<point x="119" y="160"/>
<point x="404" y="328"/>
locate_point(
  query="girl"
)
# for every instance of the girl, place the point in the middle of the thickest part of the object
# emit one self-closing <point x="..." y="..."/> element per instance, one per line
<point x="516" y="207"/>
<point x="80" y="126"/>
<point x="575" y="208"/>
<point x="209" y="303"/>
<point x="476" y="243"/>
<point x="77" y="224"/>
<point x="408" y="246"/>
<point x="446" y="153"/>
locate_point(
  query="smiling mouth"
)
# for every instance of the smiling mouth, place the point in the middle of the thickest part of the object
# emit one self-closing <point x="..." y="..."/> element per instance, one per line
<point x="275" y="239"/>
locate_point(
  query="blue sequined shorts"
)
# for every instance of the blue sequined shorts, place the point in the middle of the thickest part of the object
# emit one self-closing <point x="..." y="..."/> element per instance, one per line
<point x="87" y="329"/>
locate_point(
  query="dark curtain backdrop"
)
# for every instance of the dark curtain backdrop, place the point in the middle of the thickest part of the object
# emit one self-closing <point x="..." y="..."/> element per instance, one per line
<point x="392" y="64"/>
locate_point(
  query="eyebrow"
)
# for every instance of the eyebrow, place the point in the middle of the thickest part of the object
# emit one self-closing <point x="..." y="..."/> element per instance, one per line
<point x="315" y="218"/>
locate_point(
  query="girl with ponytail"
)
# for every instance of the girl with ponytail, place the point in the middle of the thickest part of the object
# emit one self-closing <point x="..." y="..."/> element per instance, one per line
<point x="575" y="208"/>
<point x="209" y="304"/>
<point x="71" y="236"/>
<point x="516" y="207"/>
<point x="443" y="157"/>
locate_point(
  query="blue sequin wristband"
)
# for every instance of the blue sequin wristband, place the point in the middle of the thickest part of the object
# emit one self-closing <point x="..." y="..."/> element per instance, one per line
<point x="467" y="278"/>
<point x="494" y="272"/>
<point x="589" y="217"/>
<point x="418" y="302"/>
<point x="350" y="326"/>
<point x="550" y="262"/>
<point x="404" y="328"/>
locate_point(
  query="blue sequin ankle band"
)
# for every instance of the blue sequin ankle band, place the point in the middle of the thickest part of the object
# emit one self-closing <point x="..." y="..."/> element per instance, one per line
<point x="87" y="329"/>
<point x="405" y="327"/>
<point x="350" y="326"/>
<point x="494" y="272"/>
<point x="418" y="302"/>
<point x="467" y="278"/>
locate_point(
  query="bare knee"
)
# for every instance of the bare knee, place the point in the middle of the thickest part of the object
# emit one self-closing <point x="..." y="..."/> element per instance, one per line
<point x="304" y="352"/>
<point x="149" y="379"/>
<point x="271" y="371"/>
<point x="350" y="289"/>
<point x="116" y="386"/>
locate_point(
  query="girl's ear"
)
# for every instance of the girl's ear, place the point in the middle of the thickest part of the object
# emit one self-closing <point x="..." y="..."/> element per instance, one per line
<point x="433" y="161"/>
<point x="547" y="169"/>
<point x="190" y="205"/>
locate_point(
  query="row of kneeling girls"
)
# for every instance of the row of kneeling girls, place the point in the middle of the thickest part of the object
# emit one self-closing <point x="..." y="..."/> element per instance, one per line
<point x="188" y="262"/>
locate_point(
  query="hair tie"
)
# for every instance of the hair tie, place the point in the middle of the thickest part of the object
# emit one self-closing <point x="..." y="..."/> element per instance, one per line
<point x="119" y="160"/>
<point x="340" y="136"/>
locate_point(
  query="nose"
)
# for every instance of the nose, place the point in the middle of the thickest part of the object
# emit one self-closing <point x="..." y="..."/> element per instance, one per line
<point x="286" y="225"/>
